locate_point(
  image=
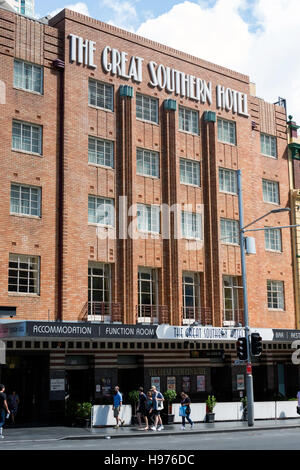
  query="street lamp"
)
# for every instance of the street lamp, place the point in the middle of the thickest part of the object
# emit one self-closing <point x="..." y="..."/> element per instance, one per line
<point x="242" y="229"/>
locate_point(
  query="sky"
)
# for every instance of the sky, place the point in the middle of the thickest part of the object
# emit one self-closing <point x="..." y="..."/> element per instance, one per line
<point x="259" y="38"/>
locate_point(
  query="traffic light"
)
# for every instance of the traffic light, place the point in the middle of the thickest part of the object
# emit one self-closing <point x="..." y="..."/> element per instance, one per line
<point x="256" y="344"/>
<point x="241" y="346"/>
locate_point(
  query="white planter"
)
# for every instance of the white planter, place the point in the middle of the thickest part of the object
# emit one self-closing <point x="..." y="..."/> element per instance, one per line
<point x="103" y="415"/>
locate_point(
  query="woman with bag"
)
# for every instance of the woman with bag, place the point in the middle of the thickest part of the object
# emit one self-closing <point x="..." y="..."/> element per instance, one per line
<point x="185" y="410"/>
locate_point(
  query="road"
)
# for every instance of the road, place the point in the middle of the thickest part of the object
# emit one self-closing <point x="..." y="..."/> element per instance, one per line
<point x="281" y="439"/>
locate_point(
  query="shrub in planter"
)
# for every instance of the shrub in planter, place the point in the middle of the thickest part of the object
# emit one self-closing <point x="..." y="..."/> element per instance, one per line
<point x="169" y="396"/>
<point x="83" y="413"/>
<point x="210" y="405"/>
<point x="245" y="409"/>
<point x="134" y="399"/>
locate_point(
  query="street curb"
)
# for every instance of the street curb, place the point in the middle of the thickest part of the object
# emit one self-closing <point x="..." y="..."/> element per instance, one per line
<point x="178" y="433"/>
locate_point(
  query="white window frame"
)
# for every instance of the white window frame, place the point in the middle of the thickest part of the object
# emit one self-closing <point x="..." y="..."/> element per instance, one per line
<point x="153" y="163"/>
<point x="19" y="271"/>
<point x="188" y="120"/>
<point x="21" y="138"/>
<point x="191" y="225"/>
<point x="146" y="104"/>
<point x="20" y="81"/>
<point x="231" y="286"/>
<point x="226" y="131"/>
<point x="268" y="187"/>
<point x="148" y="218"/>
<point x="268" y="145"/>
<point x="103" y="150"/>
<point x="102" y="92"/>
<point x="227" y="179"/>
<point x="275" y="295"/>
<point x="188" y="168"/>
<point x="97" y="205"/>
<point x="104" y="280"/>
<point x="196" y="297"/>
<point x="18" y="201"/>
<point x="153" y="292"/>
<point x="229" y="232"/>
<point x="273" y="239"/>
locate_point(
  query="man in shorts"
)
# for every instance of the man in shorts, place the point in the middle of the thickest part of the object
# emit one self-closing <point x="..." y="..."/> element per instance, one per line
<point x="157" y="398"/>
<point x="117" y="407"/>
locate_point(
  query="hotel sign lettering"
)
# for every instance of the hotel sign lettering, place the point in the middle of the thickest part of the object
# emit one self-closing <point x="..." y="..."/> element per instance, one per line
<point x="120" y="64"/>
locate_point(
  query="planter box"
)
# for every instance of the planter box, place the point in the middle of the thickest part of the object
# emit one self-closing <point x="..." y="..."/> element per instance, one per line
<point x="167" y="419"/>
<point x="210" y="417"/>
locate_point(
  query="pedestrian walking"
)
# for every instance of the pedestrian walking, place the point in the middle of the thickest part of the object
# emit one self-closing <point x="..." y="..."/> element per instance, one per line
<point x="141" y="408"/>
<point x="158" y="399"/>
<point x="148" y="411"/>
<point x="13" y="401"/>
<point x="3" y="409"/>
<point x="117" y="404"/>
<point x="186" y="405"/>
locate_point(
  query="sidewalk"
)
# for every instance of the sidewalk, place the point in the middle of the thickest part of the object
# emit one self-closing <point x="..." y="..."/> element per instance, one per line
<point x="38" y="434"/>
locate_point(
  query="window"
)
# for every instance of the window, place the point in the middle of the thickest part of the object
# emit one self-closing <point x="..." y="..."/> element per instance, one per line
<point x="226" y="131"/>
<point x="189" y="172"/>
<point x="26" y="137"/>
<point x="101" y="211"/>
<point x="275" y="295"/>
<point x="101" y="152"/>
<point x="273" y="239"/>
<point x="227" y="181"/>
<point x="229" y="231"/>
<point x="23" y="274"/>
<point x="190" y="296"/>
<point x="148" y="219"/>
<point x="270" y="191"/>
<point x="188" y="120"/>
<point x="191" y="225"/>
<point x="25" y="200"/>
<point x="101" y="95"/>
<point x="268" y="145"/>
<point x="147" y="292"/>
<point x="28" y="77"/>
<point x="147" y="163"/>
<point x="99" y="288"/>
<point x="232" y="300"/>
<point x="146" y="108"/>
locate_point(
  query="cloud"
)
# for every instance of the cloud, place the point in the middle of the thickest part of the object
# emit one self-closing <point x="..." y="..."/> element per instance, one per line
<point x="255" y="37"/>
<point x="124" y="14"/>
<point x="80" y="7"/>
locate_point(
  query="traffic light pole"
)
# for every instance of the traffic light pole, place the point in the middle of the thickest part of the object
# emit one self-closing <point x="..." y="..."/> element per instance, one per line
<point x="249" y="377"/>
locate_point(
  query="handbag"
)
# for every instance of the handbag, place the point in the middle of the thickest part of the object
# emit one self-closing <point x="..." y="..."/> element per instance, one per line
<point x="182" y="410"/>
<point x="160" y="403"/>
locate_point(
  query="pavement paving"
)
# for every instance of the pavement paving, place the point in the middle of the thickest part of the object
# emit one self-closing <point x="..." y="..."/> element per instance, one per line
<point x="58" y="433"/>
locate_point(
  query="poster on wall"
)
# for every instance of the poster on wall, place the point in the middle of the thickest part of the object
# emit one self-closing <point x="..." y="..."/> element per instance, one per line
<point x="186" y="384"/>
<point x="171" y="383"/>
<point x="156" y="382"/>
<point x="240" y="382"/>
<point x="106" y="386"/>
<point x="200" y="383"/>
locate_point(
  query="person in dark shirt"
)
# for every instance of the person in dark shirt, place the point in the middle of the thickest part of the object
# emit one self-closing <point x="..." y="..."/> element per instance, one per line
<point x="141" y="408"/>
<point x="186" y="402"/>
<point x="3" y="409"/>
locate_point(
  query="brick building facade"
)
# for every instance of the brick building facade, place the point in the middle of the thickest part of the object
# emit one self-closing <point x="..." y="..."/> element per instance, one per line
<point x="95" y="120"/>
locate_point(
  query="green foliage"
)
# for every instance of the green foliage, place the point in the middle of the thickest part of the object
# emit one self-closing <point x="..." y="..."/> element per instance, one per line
<point x="134" y="396"/>
<point x="211" y="403"/>
<point x="83" y="410"/>
<point x="170" y="395"/>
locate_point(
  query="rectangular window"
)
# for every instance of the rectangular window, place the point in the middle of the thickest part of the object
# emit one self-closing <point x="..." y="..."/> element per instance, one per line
<point x="23" y="274"/>
<point x="226" y="131"/>
<point x="227" y="181"/>
<point x="189" y="172"/>
<point x="273" y="239"/>
<point x="275" y="295"/>
<point x="230" y="231"/>
<point x="25" y="200"/>
<point x="101" y="152"/>
<point x="28" y="77"/>
<point x="270" y="191"/>
<point x="190" y="296"/>
<point x="99" y="288"/>
<point x="147" y="163"/>
<point x="101" y="211"/>
<point x="148" y="219"/>
<point x="101" y="95"/>
<point x="191" y="225"/>
<point x="26" y="137"/>
<point x="268" y="145"/>
<point x="232" y="300"/>
<point x="146" y="108"/>
<point x="147" y="293"/>
<point x="188" y="120"/>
